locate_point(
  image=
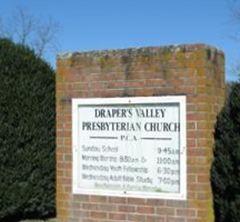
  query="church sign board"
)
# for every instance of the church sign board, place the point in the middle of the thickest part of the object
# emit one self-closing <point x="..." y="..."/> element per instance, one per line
<point x="132" y="146"/>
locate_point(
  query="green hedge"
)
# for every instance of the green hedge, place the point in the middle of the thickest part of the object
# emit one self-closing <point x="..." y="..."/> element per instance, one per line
<point x="226" y="164"/>
<point x="27" y="134"/>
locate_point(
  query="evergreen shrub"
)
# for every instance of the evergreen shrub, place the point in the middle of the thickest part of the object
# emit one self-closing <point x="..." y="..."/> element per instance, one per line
<point x="27" y="134"/>
<point x="226" y="164"/>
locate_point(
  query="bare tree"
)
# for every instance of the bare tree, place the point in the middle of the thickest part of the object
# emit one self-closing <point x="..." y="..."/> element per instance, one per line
<point x="24" y="25"/>
<point x="233" y="30"/>
<point x="29" y="30"/>
<point x="234" y="9"/>
<point x="46" y="37"/>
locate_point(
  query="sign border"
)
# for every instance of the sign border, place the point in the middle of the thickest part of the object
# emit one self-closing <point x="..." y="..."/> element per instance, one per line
<point x="76" y="102"/>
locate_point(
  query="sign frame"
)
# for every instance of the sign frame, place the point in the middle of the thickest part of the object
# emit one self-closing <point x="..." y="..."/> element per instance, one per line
<point x="180" y="99"/>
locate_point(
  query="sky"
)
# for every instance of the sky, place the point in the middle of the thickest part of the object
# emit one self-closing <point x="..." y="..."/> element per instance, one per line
<point x="113" y="24"/>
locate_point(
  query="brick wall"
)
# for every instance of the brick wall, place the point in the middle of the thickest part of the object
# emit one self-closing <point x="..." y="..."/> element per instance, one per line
<point x="196" y="71"/>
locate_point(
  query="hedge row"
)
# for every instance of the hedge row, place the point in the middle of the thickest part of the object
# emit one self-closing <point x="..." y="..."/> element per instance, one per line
<point x="226" y="164"/>
<point x="27" y="134"/>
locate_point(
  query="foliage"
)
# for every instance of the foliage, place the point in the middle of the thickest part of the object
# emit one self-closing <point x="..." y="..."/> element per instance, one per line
<point x="27" y="134"/>
<point x="226" y="164"/>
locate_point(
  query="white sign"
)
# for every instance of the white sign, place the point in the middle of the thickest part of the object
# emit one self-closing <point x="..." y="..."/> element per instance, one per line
<point x="134" y="146"/>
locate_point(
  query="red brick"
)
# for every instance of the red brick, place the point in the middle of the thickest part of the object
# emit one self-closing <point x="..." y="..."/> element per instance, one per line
<point x="117" y="200"/>
<point x="155" y="219"/>
<point x="165" y="211"/>
<point x="117" y="216"/>
<point x="186" y="212"/>
<point x="138" y="201"/>
<point x="98" y="215"/>
<point x="145" y="210"/>
<point x="126" y="208"/>
<point x="101" y="199"/>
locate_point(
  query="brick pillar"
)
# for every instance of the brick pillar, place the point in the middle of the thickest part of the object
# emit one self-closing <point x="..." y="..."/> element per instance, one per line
<point x="196" y="71"/>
